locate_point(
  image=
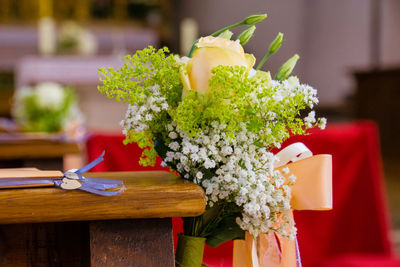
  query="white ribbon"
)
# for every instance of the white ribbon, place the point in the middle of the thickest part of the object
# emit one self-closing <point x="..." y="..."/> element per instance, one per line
<point x="254" y="256"/>
<point x="292" y="153"/>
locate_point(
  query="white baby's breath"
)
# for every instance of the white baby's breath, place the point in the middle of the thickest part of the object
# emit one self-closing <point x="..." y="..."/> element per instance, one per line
<point x="240" y="173"/>
<point x="138" y="115"/>
<point x="233" y="168"/>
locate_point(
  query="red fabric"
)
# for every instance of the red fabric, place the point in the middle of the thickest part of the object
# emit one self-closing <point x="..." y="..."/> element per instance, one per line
<point x="362" y="261"/>
<point x="358" y="222"/>
<point x="118" y="157"/>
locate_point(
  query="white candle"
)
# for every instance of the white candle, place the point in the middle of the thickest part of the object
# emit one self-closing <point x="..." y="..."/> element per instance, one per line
<point x="47" y="36"/>
<point x="189" y="33"/>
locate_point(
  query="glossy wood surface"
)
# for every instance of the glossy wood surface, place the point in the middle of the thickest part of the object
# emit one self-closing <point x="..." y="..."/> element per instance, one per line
<point x="152" y="194"/>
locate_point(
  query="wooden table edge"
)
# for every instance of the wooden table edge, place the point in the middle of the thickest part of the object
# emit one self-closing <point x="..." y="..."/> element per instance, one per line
<point x="174" y="198"/>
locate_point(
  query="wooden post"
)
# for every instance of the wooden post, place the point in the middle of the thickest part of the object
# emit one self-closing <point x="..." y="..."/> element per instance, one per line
<point x="139" y="242"/>
<point x="5" y="10"/>
<point x="45" y="8"/>
<point x="120" y="12"/>
<point x="82" y="12"/>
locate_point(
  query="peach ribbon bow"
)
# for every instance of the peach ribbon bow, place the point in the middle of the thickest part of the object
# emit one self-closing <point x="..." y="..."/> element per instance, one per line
<point x="312" y="191"/>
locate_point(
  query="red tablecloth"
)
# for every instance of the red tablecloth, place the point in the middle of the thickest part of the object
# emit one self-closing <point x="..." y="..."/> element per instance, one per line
<point x="359" y="221"/>
<point x="362" y="261"/>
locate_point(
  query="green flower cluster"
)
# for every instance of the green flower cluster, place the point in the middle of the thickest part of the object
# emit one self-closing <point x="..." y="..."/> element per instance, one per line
<point x="132" y="83"/>
<point x="44" y="108"/>
<point x="268" y="108"/>
<point x="219" y="136"/>
<point x="234" y="99"/>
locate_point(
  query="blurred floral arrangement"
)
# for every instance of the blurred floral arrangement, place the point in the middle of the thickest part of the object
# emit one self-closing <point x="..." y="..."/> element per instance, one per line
<point x="214" y="119"/>
<point x="75" y="39"/>
<point x="46" y="107"/>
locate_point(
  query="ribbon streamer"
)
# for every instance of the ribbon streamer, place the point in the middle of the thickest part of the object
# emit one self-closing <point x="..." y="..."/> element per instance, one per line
<point x="73" y="179"/>
<point x="312" y="191"/>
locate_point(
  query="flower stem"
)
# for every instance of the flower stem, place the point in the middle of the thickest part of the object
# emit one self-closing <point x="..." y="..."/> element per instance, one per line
<point x="250" y="21"/>
<point x="263" y="60"/>
<point x="227" y="28"/>
<point x="214" y="35"/>
<point x="273" y="48"/>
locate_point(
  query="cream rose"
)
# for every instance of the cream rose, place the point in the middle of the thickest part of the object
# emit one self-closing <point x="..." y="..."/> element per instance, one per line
<point x="212" y="52"/>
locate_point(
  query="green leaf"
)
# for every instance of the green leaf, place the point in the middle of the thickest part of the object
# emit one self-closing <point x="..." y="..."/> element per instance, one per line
<point x="226" y="35"/>
<point x="227" y="230"/>
<point x="160" y="147"/>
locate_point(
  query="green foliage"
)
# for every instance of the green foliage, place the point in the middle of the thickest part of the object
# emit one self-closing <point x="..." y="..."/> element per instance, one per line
<point x="189" y="114"/>
<point x="272" y="49"/>
<point x="248" y="21"/>
<point x="217" y="224"/>
<point x="133" y="83"/>
<point x="268" y="109"/>
<point x="35" y="118"/>
<point x="140" y="71"/>
<point x="234" y="98"/>
<point x="143" y="140"/>
<point x="226" y="35"/>
<point x="226" y="230"/>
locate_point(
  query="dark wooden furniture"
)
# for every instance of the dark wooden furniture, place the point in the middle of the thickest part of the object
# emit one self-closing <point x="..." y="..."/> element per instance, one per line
<point x="36" y="149"/>
<point x="53" y="227"/>
<point x="376" y="98"/>
<point x="40" y="153"/>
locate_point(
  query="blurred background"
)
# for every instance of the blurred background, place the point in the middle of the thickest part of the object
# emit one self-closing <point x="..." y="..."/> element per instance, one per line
<point x="349" y="51"/>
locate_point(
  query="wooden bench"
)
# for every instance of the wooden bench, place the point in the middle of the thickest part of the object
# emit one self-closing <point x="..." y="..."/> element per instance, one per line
<point x="55" y="227"/>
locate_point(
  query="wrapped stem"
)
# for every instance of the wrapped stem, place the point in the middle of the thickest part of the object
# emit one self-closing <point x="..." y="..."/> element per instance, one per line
<point x="189" y="252"/>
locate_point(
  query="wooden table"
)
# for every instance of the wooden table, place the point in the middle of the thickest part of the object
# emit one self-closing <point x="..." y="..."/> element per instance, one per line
<point x="43" y="154"/>
<point x="54" y="227"/>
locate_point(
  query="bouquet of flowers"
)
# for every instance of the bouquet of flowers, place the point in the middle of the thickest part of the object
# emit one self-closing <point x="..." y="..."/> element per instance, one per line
<point x="75" y="39"/>
<point x="214" y="119"/>
<point x="47" y="107"/>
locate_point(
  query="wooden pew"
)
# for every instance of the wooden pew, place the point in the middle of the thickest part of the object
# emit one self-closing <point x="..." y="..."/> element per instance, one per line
<point x="55" y="227"/>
